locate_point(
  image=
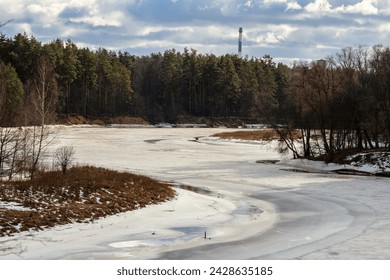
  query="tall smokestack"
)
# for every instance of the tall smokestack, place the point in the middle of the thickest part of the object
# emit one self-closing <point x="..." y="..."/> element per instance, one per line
<point x="240" y="42"/>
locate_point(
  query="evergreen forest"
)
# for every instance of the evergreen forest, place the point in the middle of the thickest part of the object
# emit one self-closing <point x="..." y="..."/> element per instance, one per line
<point x="159" y="87"/>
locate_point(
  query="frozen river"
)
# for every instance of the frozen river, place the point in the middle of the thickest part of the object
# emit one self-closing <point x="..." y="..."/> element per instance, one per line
<point x="247" y="210"/>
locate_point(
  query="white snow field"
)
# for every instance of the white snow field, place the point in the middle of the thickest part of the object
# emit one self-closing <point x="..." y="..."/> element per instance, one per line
<point x="247" y="210"/>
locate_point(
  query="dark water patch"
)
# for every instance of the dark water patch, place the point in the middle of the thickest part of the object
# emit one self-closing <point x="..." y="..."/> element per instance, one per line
<point x="295" y="170"/>
<point x="267" y="161"/>
<point x="383" y="174"/>
<point x="352" y="172"/>
<point x="153" y="141"/>
<point x="198" y="190"/>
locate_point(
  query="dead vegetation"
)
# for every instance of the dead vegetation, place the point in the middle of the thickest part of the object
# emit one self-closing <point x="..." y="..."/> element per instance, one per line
<point x="250" y="135"/>
<point x="84" y="194"/>
<point x="378" y="159"/>
<point x="79" y="119"/>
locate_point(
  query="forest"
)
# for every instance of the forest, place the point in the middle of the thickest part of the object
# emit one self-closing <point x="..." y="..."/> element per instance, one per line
<point x="338" y="103"/>
<point x="159" y="87"/>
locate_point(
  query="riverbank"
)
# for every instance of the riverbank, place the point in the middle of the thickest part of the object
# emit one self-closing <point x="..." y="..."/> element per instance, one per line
<point x="82" y="195"/>
<point x="369" y="162"/>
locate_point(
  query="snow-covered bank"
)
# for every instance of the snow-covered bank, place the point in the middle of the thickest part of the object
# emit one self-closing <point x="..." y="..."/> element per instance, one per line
<point x="180" y="223"/>
<point x="372" y="163"/>
<point x="251" y="210"/>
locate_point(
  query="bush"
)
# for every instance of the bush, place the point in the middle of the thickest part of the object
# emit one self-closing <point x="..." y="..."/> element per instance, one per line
<point x="64" y="157"/>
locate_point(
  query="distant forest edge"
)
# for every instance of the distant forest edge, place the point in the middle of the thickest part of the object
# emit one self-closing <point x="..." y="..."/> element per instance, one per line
<point x="344" y="99"/>
<point x="159" y="87"/>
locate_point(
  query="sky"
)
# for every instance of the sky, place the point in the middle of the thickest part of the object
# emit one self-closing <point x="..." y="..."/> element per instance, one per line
<point x="287" y="30"/>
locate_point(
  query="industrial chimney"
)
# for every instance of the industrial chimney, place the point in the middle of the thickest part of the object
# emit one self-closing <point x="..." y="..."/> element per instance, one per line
<point x="240" y="42"/>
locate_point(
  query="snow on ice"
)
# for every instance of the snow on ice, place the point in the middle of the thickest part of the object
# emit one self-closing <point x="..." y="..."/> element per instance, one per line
<point x="247" y="206"/>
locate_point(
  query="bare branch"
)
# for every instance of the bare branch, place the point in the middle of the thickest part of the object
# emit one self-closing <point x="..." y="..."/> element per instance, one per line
<point x="8" y="21"/>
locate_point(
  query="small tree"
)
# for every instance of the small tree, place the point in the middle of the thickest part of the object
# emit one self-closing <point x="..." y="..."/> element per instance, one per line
<point x="43" y="100"/>
<point x="64" y="157"/>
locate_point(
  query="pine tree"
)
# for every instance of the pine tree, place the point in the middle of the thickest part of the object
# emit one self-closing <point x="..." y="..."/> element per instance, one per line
<point x="11" y="96"/>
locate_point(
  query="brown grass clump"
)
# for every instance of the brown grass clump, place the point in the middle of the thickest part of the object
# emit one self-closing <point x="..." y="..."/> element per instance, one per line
<point x="255" y="135"/>
<point x="252" y="135"/>
<point x="79" y="119"/>
<point x="84" y="194"/>
<point x="129" y="120"/>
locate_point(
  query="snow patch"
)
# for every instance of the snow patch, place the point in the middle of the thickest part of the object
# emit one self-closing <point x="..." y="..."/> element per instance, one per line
<point x="13" y="206"/>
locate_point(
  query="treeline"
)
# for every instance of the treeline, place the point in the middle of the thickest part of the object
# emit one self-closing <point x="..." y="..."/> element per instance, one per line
<point x="341" y="103"/>
<point x="173" y="84"/>
<point x="83" y="81"/>
<point x="159" y="87"/>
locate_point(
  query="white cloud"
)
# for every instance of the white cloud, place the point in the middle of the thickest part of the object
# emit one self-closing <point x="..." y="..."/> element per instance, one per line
<point x="227" y="7"/>
<point x="384" y="27"/>
<point x="290" y="4"/>
<point x="248" y="4"/>
<point x="95" y="19"/>
<point x="319" y="6"/>
<point x="46" y="15"/>
<point x="24" y="28"/>
<point x="293" y="6"/>
<point x="108" y="13"/>
<point x="10" y="8"/>
<point x="384" y="6"/>
<point x="327" y="47"/>
<point x="270" y="2"/>
<point x="307" y="28"/>
<point x="365" y="7"/>
<point x="270" y="34"/>
<point x="272" y="38"/>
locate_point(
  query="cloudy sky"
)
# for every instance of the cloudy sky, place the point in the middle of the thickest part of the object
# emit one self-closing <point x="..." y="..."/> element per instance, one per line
<point x="285" y="29"/>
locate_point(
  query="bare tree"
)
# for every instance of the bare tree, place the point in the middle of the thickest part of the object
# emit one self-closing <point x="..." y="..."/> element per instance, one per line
<point x="44" y="93"/>
<point x="64" y="157"/>
<point x="314" y="100"/>
<point x="5" y="140"/>
<point x="13" y="144"/>
<point x="43" y="100"/>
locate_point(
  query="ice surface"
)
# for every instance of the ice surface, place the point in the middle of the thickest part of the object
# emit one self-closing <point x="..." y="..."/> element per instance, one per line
<point x="250" y="210"/>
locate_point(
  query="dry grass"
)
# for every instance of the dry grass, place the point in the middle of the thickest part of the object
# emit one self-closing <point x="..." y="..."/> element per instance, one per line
<point x="252" y="135"/>
<point x="84" y="194"/>
<point x="255" y="135"/>
<point x="79" y="119"/>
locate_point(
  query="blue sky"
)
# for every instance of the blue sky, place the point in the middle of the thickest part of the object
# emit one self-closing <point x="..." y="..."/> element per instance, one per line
<point x="288" y="30"/>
